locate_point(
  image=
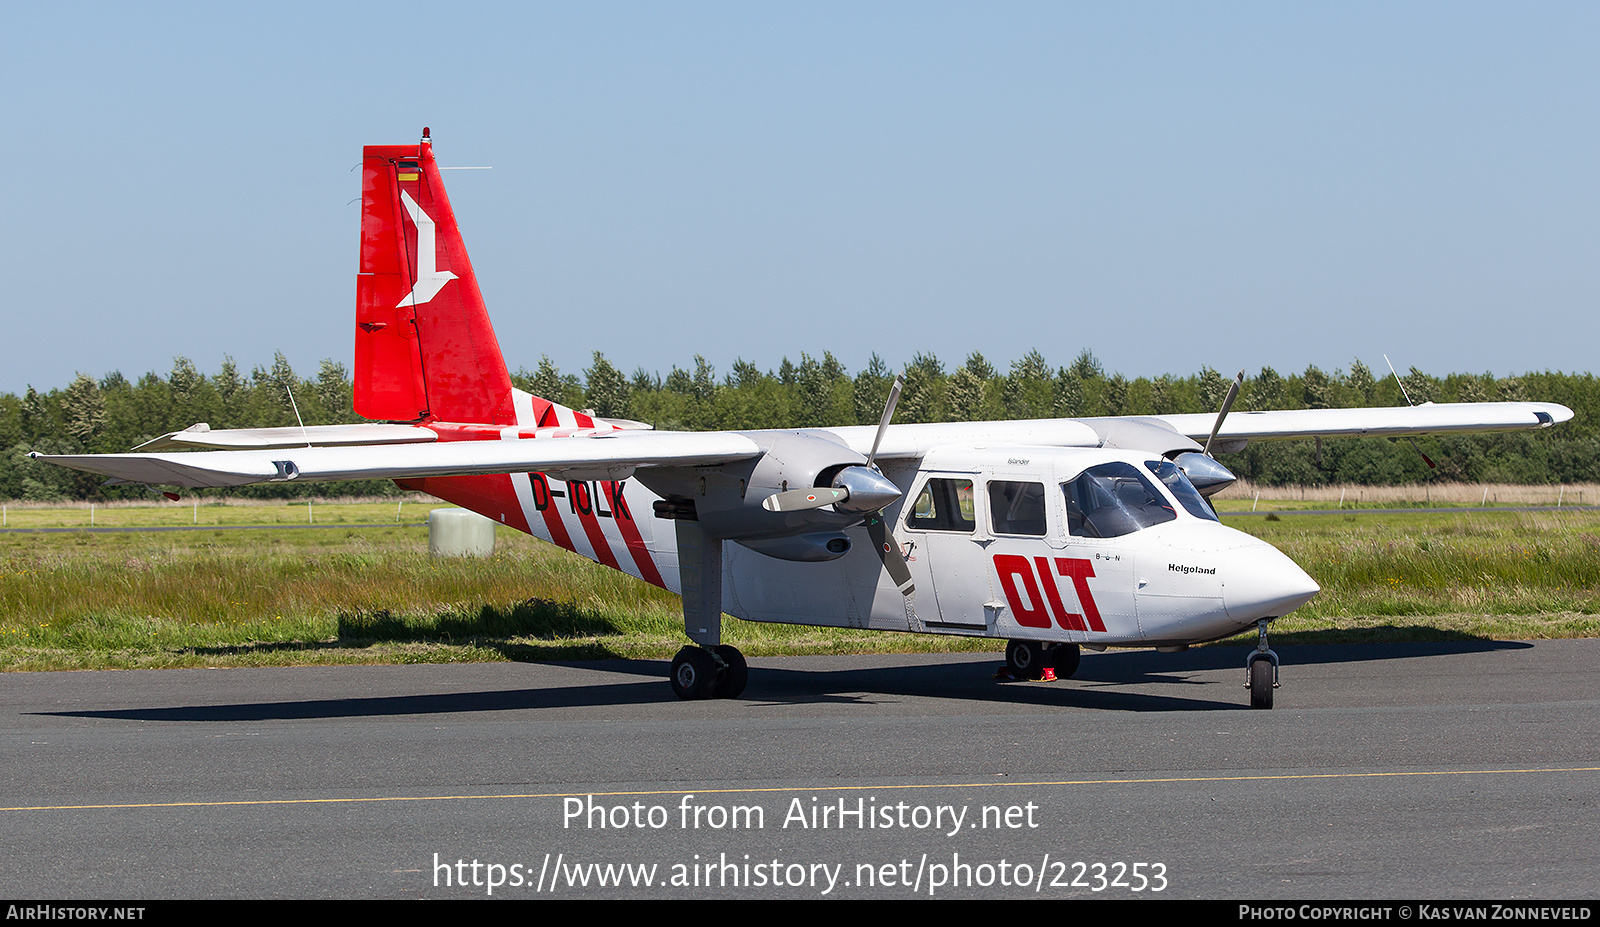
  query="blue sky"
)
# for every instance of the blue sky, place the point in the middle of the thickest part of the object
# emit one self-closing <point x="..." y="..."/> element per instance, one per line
<point x="1168" y="185"/>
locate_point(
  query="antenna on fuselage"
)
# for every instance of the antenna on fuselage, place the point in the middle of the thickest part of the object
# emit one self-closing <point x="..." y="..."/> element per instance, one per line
<point x="1399" y="382"/>
<point x="296" y="407"/>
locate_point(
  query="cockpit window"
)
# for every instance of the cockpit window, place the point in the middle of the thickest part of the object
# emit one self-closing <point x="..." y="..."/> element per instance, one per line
<point x="1017" y="508"/>
<point x="1167" y="472"/>
<point x="943" y="505"/>
<point x="1113" y="499"/>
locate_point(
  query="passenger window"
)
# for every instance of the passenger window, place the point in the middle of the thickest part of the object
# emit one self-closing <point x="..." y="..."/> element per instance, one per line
<point x="1017" y="508"/>
<point x="943" y="505"/>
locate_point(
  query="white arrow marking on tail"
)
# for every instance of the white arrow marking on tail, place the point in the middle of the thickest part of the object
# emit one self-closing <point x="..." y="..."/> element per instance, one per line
<point x="429" y="278"/>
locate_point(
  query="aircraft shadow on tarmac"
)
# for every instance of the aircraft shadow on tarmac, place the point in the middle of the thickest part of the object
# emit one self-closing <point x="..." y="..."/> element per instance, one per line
<point x="1102" y="683"/>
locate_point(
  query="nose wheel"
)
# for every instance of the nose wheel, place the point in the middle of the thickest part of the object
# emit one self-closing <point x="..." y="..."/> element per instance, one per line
<point x="1261" y="669"/>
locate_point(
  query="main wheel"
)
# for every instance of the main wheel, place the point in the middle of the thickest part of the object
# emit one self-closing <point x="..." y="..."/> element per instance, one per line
<point x="731" y="681"/>
<point x="1025" y="659"/>
<point x="1261" y="674"/>
<point x="1066" y="657"/>
<point x="694" y="673"/>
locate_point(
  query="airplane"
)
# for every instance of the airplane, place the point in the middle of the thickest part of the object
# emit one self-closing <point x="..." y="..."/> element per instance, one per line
<point x="1054" y="534"/>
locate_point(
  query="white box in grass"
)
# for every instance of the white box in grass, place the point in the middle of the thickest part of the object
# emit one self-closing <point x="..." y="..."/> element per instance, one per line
<point x="459" y="533"/>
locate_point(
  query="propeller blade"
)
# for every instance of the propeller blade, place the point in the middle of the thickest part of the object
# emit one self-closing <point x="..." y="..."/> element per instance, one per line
<point x="799" y="500"/>
<point x="1425" y="458"/>
<point x="1402" y="384"/>
<point x="888" y="413"/>
<point x="889" y="551"/>
<point x="1227" y="403"/>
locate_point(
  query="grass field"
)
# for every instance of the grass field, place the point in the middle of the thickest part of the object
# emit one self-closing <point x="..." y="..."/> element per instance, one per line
<point x="1244" y="496"/>
<point x="409" y="509"/>
<point x="294" y="595"/>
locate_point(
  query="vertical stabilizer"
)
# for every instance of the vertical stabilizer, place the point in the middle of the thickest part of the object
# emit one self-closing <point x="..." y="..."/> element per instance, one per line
<point x="425" y="350"/>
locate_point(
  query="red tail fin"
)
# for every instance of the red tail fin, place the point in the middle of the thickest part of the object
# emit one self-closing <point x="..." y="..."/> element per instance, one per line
<point x="425" y="350"/>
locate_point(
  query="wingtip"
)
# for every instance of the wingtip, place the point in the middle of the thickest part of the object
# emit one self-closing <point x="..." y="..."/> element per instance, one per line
<point x="1559" y="412"/>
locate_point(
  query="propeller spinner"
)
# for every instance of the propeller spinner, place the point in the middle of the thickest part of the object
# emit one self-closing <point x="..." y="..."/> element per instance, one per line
<point x="859" y="490"/>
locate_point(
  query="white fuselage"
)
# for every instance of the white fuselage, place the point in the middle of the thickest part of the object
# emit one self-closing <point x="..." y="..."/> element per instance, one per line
<point x="1008" y="566"/>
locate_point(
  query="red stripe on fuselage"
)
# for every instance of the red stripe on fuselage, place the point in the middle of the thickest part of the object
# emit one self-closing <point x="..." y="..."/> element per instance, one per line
<point x="491" y="496"/>
<point x="552" y="517"/>
<point x="578" y="491"/>
<point x="615" y="492"/>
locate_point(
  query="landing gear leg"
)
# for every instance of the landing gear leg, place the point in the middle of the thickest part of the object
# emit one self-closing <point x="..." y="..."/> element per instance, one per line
<point x="712" y="669"/>
<point x="1261" y="669"/>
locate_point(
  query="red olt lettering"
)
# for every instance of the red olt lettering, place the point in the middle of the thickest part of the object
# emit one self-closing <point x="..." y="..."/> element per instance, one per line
<point x="1029" y="606"/>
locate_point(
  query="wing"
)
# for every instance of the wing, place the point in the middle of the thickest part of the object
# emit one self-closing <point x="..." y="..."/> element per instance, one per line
<point x="1428" y="418"/>
<point x="243" y="456"/>
<point x="278" y="454"/>
<point x="913" y="441"/>
<point x="611" y="455"/>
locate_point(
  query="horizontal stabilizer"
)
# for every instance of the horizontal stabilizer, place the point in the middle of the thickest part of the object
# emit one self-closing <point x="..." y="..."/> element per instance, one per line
<point x="228" y="439"/>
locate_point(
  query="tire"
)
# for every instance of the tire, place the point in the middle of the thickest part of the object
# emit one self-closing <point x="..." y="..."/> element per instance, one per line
<point x="694" y="673"/>
<point x="1261" y="675"/>
<point x="1066" y="657"/>
<point x="732" y="679"/>
<point x="1025" y="659"/>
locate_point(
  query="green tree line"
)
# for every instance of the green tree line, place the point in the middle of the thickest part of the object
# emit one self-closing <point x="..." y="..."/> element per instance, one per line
<point x="114" y="414"/>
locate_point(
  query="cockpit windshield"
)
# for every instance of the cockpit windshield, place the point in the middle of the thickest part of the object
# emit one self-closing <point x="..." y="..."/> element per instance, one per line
<point x="1113" y="499"/>
<point x="1167" y="472"/>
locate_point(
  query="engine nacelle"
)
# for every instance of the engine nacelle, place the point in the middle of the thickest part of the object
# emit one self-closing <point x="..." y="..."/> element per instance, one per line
<point x="727" y="500"/>
<point x="805" y="548"/>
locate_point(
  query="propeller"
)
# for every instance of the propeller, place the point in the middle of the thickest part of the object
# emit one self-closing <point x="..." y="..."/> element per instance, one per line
<point x="857" y="489"/>
<point x="799" y="500"/>
<point x="1425" y="458"/>
<point x="860" y="490"/>
<point x="889" y="553"/>
<point x="1402" y="384"/>
<point x="1227" y="403"/>
<point x="1208" y="474"/>
<point x="877" y="527"/>
<point x="883" y="420"/>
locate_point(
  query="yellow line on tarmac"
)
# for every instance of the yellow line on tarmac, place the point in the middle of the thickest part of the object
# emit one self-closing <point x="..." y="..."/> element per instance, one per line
<point x="820" y="788"/>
